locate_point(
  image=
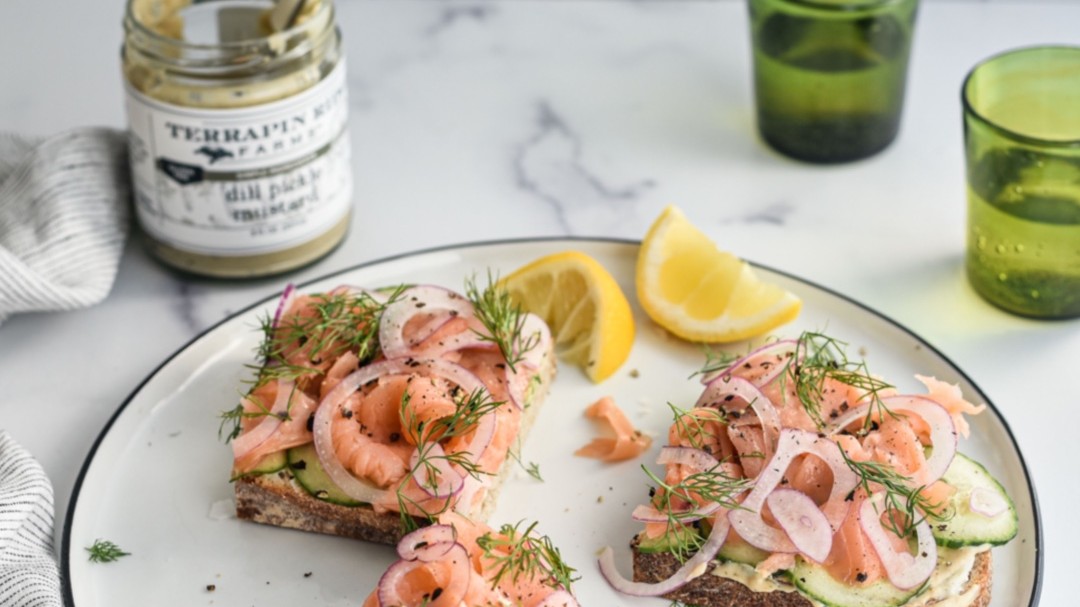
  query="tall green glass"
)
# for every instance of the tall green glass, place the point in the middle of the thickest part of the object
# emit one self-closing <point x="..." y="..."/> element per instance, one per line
<point x="829" y="75"/>
<point x="1022" y="140"/>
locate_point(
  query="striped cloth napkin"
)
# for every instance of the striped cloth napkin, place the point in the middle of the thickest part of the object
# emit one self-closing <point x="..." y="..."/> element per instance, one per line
<point x="63" y="219"/>
<point x="28" y="573"/>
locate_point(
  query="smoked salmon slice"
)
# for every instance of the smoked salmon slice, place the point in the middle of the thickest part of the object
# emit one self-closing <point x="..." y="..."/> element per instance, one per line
<point x="622" y="440"/>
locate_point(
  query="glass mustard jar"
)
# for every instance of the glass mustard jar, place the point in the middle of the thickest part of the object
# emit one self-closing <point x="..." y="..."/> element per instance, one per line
<point x="239" y="146"/>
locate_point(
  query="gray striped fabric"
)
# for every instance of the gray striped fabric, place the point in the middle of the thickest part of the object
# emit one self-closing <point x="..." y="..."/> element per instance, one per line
<point x="28" y="574"/>
<point x="63" y="219"/>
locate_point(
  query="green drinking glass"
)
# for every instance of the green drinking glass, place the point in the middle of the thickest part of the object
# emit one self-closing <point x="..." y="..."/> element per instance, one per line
<point x="829" y="75"/>
<point x="1022" y="143"/>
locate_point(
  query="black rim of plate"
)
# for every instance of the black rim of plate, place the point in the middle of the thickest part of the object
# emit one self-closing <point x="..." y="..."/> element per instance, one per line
<point x="65" y="553"/>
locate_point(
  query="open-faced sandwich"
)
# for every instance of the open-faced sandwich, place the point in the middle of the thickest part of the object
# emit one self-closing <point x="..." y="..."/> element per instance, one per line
<point x="799" y="479"/>
<point x="375" y="411"/>
<point x="459" y="562"/>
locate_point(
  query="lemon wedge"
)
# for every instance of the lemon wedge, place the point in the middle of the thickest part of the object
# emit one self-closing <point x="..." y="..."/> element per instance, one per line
<point x="698" y="292"/>
<point x="580" y="301"/>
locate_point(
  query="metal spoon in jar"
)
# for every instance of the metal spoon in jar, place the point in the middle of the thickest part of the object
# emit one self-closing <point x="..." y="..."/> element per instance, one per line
<point x="284" y="14"/>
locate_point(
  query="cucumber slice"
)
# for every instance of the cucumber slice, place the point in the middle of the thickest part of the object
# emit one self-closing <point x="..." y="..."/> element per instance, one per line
<point x="672" y="541"/>
<point x="305" y="466"/>
<point x="813" y="581"/>
<point x="741" y="553"/>
<point x="267" y="465"/>
<point x="967" y="528"/>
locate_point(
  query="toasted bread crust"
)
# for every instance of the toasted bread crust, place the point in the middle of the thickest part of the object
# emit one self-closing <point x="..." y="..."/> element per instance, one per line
<point x="278" y="500"/>
<point x="715" y="591"/>
<point x="275" y="499"/>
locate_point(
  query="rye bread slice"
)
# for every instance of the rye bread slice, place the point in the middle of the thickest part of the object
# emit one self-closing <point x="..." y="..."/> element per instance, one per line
<point x="715" y="591"/>
<point x="278" y="500"/>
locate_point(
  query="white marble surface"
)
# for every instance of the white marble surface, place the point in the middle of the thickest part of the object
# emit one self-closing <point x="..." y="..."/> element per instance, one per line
<point x="485" y="120"/>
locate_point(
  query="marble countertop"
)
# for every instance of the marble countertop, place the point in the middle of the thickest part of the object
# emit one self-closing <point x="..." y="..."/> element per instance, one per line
<point x="474" y="121"/>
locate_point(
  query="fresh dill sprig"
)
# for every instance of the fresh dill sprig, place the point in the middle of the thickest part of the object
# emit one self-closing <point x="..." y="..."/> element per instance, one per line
<point x="426" y="434"/>
<point x="533" y="470"/>
<point x="104" y="551"/>
<point x="233" y="416"/>
<point x="715" y="360"/>
<point x="820" y="358"/>
<point x="530" y="468"/>
<point x="692" y="424"/>
<point x="469" y="408"/>
<point x="503" y="319"/>
<point x="713" y="485"/>
<point x="408" y="522"/>
<point x="237" y="414"/>
<point x="900" y="497"/>
<point x="279" y="369"/>
<point x="516" y="554"/>
<point x="333" y="324"/>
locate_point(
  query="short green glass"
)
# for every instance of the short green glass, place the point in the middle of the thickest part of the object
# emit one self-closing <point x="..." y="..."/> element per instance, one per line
<point x="1022" y="143"/>
<point x="829" y="75"/>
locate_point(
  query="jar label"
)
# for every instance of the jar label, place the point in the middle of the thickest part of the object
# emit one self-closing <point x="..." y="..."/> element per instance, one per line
<point x="242" y="181"/>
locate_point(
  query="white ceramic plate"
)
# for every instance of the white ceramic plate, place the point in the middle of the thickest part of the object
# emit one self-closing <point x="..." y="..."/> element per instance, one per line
<point x="158" y="474"/>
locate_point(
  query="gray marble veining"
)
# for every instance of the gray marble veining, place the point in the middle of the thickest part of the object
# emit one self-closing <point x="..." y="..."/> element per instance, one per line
<point x="549" y="166"/>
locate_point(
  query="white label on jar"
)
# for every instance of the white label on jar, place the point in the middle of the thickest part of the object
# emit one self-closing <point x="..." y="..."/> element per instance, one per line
<point x="242" y="181"/>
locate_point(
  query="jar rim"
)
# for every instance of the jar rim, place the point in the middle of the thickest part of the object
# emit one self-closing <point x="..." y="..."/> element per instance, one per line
<point x="971" y="111"/>
<point x="133" y="22"/>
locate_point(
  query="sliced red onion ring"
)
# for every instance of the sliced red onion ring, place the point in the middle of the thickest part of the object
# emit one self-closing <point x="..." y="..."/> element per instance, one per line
<point x="695" y="566"/>
<point x="775" y="349"/>
<point x="904" y="570"/>
<point x="250" y="440"/>
<point x="476" y="337"/>
<point x="324" y="416"/>
<point x="728" y="388"/>
<point x="517" y="384"/>
<point x="466" y="339"/>
<point x="845" y="480"/>
<point x="453" y="589"/>
<point x="649" y="514"/>
<point x="752" y="528"/>
<point x="518" y="377"/>
<point x="482" y="436"/>
<point x="534" y="330"/>
<point x="427" y="299"/>
<point x="471" y="384"/>
<point x="287" y="297"/>
<point x="747" y="520"/>
<point x="943" y="435"/>
<point x="324" y="443"/>
<point x="427" y="543"/>
<point x="697" y="459"/>
<point x="559" y="598"/>
<point x="805" y="524"/>
<point x="447" y="481"/>
<point x="987" y="502"/>
<point x="464" y="504"/>
<point x="856" y="413"/>
<point x="386" y="590"/>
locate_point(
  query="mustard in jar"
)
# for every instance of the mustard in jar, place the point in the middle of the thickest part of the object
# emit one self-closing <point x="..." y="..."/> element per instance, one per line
<point x="239" y="146"/>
